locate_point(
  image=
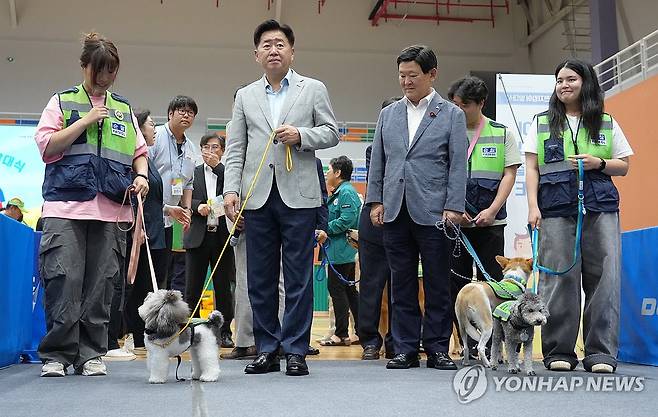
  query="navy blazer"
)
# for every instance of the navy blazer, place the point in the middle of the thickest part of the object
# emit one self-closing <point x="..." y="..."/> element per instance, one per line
<point x="323" y="212"/>
<point x="368" y="231"/>
<point x="153" y="209"/>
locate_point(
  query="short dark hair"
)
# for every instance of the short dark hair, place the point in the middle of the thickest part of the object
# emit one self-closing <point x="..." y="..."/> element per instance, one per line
<point x="420" y="54"/>
<point x="206" y="138"/>
<point x="344" y="165"/>
<point x="469" y="89"/>
<point x="270" y="25"/>
<point x="390" y="101"/>
<point x="141" y="115"/>
<point x="182" y="102"/>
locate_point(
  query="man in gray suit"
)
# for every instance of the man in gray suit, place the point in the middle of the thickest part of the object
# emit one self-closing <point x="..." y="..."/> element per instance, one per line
<point x="417" y="178"/>
<point x="280" y="215"/>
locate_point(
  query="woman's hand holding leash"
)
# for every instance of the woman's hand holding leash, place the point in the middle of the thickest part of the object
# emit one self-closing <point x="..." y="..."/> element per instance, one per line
<point x="589" y="162"/>
<point x="140" y="186"/>
<point x="534" y="217"/>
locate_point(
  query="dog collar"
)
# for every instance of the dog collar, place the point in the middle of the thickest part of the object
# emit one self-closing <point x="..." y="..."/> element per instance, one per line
<point x="516" y="279"/>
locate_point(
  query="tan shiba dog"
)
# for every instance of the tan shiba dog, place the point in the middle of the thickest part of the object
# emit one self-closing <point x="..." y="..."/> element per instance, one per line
<point x="477" y="301"/>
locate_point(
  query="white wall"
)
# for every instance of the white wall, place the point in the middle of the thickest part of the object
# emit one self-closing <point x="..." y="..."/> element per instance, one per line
<point x="191" y="47"/>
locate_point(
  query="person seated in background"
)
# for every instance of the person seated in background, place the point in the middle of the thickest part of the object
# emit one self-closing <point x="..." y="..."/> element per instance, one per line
<point x="15" y="209"/>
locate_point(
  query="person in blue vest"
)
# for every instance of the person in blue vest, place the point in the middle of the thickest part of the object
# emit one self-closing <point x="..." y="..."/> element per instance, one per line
<point x="493" y="158"/>
<point x="575" y="128"/>
<point x="344" y="208"/>
<point x="93" y="150"/>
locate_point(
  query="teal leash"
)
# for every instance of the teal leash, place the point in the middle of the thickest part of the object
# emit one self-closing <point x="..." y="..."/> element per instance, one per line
<point x="579" y="232"/>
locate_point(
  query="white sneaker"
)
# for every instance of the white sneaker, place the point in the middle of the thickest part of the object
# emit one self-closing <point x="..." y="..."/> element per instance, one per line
<point x="119" y="355"/>
<point x="53" y="369"/>
<point x="559" y="366"/>
<point x="602" y="368"/>
<point x="93" y="367"/>
<point x="129" y="343"/>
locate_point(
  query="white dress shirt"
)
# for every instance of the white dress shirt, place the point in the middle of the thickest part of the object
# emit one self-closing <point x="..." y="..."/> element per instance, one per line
<point x="415" y="113"/>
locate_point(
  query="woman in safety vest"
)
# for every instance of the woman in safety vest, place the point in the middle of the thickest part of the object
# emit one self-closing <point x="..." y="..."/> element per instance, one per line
<point x="575" y="128"/>
<point x="89" y="140"/>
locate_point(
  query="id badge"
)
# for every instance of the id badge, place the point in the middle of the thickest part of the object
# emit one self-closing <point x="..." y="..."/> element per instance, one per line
<point x="177" y="187"/>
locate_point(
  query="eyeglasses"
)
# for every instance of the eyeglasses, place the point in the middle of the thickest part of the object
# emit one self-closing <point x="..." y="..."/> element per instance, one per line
<point x="183" y="112"/>
<point x="210" y="147"/>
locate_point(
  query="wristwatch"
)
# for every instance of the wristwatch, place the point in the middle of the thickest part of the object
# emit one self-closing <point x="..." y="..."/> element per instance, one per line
<point x="602" y="165"/>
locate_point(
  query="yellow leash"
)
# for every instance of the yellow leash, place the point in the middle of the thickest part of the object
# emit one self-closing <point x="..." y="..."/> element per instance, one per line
<point x="288" y="158"/>
<point x="231" y="232"/>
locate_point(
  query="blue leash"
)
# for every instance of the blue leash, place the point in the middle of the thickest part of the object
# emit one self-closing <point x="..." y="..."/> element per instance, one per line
<point x="579" y="232"/>
<point x="326" y="261"/>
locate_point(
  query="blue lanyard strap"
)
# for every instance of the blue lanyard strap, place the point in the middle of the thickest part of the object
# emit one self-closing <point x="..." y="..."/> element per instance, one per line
<point x="579" y="232"/>
<point x="326" y="261"/>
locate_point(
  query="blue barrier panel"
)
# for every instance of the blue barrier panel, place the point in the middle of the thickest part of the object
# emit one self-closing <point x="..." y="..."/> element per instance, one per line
<point x="30" y="353"/>
<point x="638" y="335"/>
<point x="16" y="270"/>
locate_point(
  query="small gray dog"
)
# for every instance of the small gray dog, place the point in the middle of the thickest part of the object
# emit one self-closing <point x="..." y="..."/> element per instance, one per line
<point x="515" y="323"/>
<point x="165" y="314"/>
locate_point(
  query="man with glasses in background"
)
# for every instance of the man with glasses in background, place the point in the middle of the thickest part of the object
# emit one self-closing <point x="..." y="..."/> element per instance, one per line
<point x="173" y="155"/>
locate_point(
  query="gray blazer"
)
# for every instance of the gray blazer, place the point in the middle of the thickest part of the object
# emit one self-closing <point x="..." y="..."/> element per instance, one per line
<point x="307" y="107"/>
<point x="430" y="174"/>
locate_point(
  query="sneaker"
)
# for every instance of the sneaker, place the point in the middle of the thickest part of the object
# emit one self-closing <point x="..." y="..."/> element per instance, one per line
<point x="93" y="367"/>
<point x="140" y="352"/>
<point x="53" y="368"/>
<point x="559" y="366"/>
<point x="119" y="355"/>
<point x="602" y="368"/>
<point x="129" y="343"/>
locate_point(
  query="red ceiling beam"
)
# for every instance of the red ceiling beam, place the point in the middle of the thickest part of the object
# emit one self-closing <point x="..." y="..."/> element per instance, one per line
<point x="381" y="11"/>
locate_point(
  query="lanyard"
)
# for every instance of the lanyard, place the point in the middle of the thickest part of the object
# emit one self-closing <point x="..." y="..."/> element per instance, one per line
<point x="574" y="139"/>
<point x="476" y="136"/>
<point x="180" y="157"/>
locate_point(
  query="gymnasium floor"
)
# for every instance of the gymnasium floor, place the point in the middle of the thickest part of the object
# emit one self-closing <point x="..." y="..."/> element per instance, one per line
<point x="339" y="385"/>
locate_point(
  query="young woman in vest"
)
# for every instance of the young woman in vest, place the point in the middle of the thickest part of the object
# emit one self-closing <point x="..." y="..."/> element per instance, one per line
<point x="493" y="158"/>
<point x="576" y="128"/>
<point x="89" y="140"/>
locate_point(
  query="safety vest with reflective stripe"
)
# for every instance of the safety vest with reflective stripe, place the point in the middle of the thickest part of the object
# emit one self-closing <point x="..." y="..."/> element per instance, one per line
<point x="100" y="159"/>
<point x="558" y="184"/>
<point x="486" y="166"/>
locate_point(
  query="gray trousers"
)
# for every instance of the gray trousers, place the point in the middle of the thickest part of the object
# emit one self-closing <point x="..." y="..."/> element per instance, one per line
<point x="244" y="317"/>
<point x="78" y="261"/>
<point x="597" y="272"/>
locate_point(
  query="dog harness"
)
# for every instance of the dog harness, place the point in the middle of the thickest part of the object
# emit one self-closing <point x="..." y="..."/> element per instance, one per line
<point x="506" y="290"/>
<point x="502" y="312"/>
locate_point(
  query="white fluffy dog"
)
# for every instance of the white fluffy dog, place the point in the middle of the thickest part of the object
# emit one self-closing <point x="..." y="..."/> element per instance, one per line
<point x="164" y="313"/>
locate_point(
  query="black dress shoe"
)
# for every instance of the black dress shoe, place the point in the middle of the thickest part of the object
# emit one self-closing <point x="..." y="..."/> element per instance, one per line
<point x="404" y="361"/>
<point x="227" y="342"/>
<point x="312" y="351"/>
<point x="265" y="362"/>
<point x="440" y="360"/>
<point x="296" y="365"/>
<point x="241" y="353"/>
<point x="389" y="354"/>
<point x="370" y="353"/>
